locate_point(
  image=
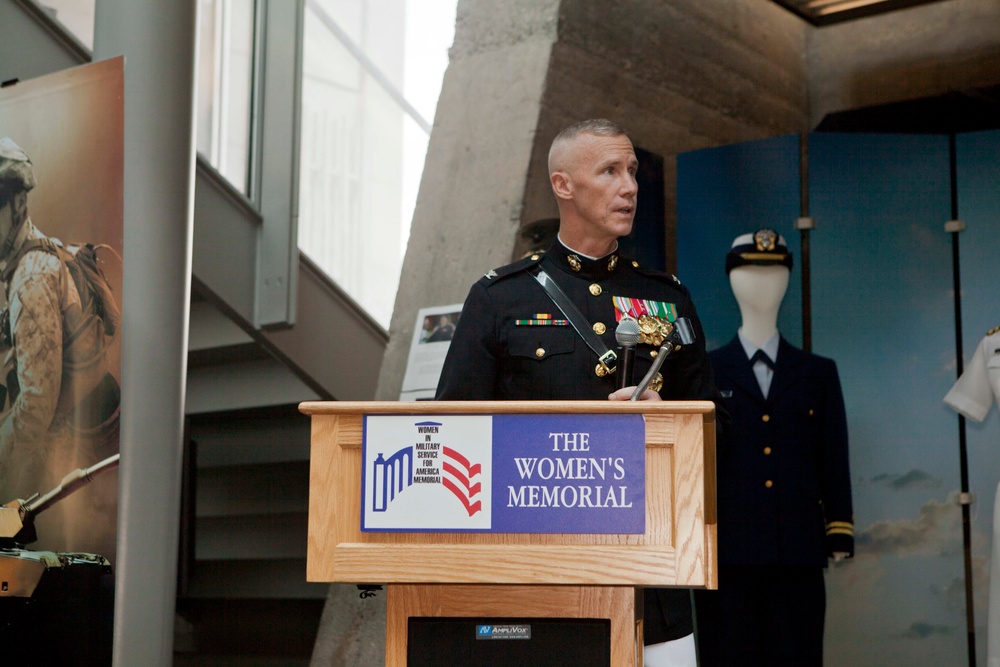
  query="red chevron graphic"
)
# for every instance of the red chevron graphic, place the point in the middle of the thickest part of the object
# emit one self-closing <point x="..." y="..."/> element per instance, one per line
<point x="470" y="508"/>
<point x="471" y="470"/>
<point x="473" y="489"/>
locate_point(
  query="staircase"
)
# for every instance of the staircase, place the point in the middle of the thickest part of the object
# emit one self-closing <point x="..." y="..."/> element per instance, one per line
<point x="243" y="598"/>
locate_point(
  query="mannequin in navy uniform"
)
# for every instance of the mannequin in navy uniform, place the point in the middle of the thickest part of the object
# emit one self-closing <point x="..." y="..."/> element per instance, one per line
<point x="784" y="483"/>
<point x="513" y="343"/>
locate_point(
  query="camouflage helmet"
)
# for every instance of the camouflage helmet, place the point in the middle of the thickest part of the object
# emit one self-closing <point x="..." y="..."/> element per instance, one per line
<point x="16" y="174"/>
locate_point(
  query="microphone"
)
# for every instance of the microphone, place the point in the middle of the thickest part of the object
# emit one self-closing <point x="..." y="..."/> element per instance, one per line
<point x="627" y="334"/>
<point x="683" y="334"/>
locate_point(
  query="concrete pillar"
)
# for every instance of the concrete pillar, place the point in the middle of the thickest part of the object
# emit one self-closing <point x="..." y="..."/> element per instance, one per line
<point x="471" y="197"/>
<point x="158" y="41"/>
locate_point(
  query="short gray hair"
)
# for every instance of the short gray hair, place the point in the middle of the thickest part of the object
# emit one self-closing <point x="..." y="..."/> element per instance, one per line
<point x="597" y="126"/>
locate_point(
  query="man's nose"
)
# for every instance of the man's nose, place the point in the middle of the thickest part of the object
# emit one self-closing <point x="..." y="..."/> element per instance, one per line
<point x="629" y="186"/>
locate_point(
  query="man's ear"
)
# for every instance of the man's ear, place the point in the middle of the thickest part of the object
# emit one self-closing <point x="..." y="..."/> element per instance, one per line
<point x="562" y="185"/>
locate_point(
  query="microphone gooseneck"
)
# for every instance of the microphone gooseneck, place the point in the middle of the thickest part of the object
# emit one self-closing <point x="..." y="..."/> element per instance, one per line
<point x="628" y="335"/>
<point x="683" y="334"/>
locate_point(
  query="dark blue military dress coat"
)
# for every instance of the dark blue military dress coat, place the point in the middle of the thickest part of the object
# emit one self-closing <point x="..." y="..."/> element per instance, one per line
<point x="497" y="354"/>
<point x="504" y="350"/>
<point x="783" y="475"/>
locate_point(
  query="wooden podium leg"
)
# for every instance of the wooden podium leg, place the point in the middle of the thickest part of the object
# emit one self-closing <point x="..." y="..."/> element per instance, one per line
<point x="617" y="603"/>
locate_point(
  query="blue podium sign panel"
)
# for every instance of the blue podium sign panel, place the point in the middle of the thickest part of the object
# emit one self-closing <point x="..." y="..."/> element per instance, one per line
<point x="504" y="473"/>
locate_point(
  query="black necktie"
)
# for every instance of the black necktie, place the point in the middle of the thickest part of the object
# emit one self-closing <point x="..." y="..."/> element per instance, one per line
<point x="760" y="355"/>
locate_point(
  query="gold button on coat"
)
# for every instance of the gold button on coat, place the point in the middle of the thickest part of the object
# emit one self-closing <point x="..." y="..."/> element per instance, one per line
<point x="595" y="289"/>
<point x="599" y="328"/>
<point x="765" y="418"/>
<point x="769" y="484"/>
<point x="767" y="451"/>
<point x="540" y="352"/>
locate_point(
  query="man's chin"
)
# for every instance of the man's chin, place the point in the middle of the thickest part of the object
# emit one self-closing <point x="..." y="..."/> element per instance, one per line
<point x="623" y="227"/>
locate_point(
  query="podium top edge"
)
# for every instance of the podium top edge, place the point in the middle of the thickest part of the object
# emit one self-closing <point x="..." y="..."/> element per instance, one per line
<point x="504" y="407"/>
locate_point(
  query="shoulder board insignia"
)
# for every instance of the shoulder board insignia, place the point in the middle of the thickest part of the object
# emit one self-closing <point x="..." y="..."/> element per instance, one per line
<point x="993" y="331"/>
<point x="676" y="279"/>
<point x="501" y="272"/>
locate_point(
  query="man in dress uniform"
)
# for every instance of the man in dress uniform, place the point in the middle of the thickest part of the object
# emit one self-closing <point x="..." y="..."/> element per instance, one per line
<point x="783" y="479"/>
<point x="513" y="343"/>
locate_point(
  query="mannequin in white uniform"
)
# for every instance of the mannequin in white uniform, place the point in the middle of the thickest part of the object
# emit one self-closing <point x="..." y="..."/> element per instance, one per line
<point x="972" y="396"/>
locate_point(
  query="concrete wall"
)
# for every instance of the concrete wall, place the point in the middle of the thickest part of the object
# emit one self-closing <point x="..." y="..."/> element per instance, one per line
<point x="678" y="75"/>
<point x="917" y="52"/>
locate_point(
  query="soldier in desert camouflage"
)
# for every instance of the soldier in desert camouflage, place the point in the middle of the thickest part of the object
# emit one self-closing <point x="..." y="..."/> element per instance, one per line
<point x="60" y="402"/>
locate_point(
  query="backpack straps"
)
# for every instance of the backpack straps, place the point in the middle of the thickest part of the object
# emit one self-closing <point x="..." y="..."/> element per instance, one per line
<point x="44" y="244"/>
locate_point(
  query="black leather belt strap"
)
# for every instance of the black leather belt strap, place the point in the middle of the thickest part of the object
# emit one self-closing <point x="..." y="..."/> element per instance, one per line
<point x="606" y="357"/>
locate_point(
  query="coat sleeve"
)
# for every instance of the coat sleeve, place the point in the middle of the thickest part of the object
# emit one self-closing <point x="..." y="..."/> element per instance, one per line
<point x="836" y="475"/>
<point x="471" y="365"/>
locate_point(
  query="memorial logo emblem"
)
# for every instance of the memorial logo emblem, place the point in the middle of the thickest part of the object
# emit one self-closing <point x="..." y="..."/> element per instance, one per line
<point x="437" y="479"/>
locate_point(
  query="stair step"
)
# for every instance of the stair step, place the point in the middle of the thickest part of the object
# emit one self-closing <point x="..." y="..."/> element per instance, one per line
<point x="251" y="537"/>
<point x="252" y="489"/>
<point x="241" y="437"/>
<point x="253" y="579"/>
<point x="251" y="633"/>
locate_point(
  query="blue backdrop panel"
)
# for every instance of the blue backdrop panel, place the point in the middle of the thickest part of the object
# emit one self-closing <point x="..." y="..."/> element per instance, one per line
<point x="979" y="207"/>
<point x="722" y="193"/>
<point x="882" y="308"/>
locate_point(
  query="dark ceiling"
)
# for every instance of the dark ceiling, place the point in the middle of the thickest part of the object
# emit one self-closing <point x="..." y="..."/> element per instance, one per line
<point x="969" y="110"/>
<point x="825" y="12"/>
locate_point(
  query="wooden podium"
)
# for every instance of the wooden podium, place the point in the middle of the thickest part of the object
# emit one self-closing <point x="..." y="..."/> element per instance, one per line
<point x="463" y="574"/>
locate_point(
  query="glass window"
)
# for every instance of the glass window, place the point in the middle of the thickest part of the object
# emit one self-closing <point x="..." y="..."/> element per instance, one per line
<point x="225" y="77"/>
<point x="372" y="73"/>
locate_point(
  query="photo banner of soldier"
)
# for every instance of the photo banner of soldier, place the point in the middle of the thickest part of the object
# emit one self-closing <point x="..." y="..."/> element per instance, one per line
<point x="61" y="211"/>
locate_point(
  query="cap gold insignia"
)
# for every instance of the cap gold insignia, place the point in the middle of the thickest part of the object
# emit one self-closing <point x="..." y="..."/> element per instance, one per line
<point x="574" y="262"/>
<point x="765" y="239"/>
